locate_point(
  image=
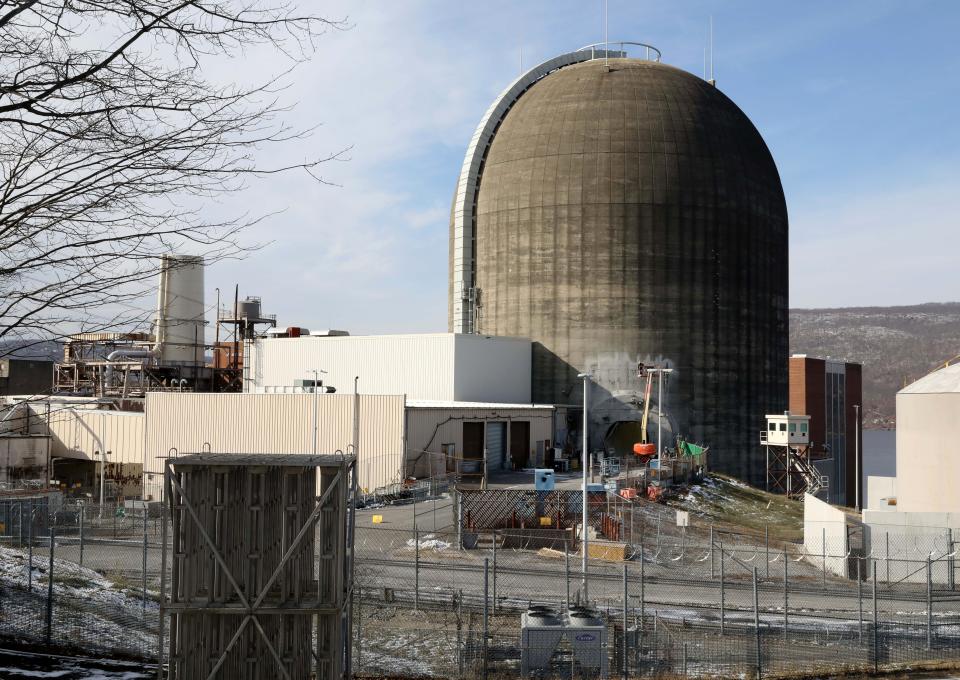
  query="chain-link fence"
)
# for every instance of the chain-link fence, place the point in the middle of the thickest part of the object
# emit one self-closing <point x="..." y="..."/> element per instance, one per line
<point x="435" y="599"/>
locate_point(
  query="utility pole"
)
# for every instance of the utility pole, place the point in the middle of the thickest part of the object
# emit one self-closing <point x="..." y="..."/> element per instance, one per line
<point x="586" y="457"/>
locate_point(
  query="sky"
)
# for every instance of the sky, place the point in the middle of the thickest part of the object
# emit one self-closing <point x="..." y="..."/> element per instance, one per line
<point x="857" y="100"/>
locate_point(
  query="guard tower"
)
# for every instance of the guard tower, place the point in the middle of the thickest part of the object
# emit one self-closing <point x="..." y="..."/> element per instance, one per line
<point x="790" y="470"/>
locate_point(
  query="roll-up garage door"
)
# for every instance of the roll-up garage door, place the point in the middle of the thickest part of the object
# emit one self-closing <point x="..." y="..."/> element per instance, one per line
<point x="496" y="446"/>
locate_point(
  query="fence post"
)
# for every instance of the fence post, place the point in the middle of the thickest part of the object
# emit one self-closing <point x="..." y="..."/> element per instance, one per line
<point x="81" y="535"/>
<point x="416" y="569"/>
<point x="951" y="561"/>
<point x="643" y="598"/>
<point x="929" y="603"/>
<point x="30" y="552"/>
<point x="876" y="647"/>
<point x="144" y="574"/>
<point x="486" y="611"/>
<point x="626" y="609"/>
<point x="494" y="570"/>
<point x="722" y="591"/>
<point x="20" y="524"/>
<point x="887" y="535"/>
<point x="786" y="593"/>
<point x="359" y="662"/>
<point x="766" y="546"/>
<point x="49" y="631"/>
<point x="684" y="659"/>
<point x="658" y="528"/>
<point x="566" y="560"/>
<point x="823" y="549"/>
<point x="756" y="623"/>
<point x="712" y="567"/>
<point x="859" y="603"/>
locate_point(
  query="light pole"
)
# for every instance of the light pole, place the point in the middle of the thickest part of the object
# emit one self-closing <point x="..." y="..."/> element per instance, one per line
<point x="660" y="372"/>
<point x="856" y="456"/>
<point x="316" y="403"/>
<point x="586" y="457"/>
<point x="103" y="461"/>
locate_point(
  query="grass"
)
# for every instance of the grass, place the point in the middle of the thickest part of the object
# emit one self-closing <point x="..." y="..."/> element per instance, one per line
<point x="723" y="500"/>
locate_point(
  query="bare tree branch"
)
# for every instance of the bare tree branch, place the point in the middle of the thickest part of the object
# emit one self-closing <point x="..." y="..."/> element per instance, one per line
<point x="111" y="137"/>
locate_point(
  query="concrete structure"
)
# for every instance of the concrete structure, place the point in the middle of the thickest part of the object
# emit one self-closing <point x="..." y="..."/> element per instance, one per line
<point x="928" y="440"/>
<point x="25" y="376"/>
<point x="436" y="366"/>
<point x="916" y="515"/>
<point x="629" y="212"/>
<point x="828" y="391"/>
<point x="827" y="535"/>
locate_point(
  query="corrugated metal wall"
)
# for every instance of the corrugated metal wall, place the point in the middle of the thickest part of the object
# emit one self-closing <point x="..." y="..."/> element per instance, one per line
<point x="420" y="366"/>
<point x="435" y="366"/>
<point x="80" y="432"/>
<point x="276" y="423"/>
<point x="430" y="428"/>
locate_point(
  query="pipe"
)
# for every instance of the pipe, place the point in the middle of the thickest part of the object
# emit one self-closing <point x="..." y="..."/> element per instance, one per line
<point x="129" y="353"/>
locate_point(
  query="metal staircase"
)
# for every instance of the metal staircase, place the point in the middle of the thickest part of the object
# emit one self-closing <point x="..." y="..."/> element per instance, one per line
<point x="813" y="481"/>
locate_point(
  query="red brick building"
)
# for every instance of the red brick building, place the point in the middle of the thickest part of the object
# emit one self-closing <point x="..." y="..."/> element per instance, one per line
<point x="827" y="391"/>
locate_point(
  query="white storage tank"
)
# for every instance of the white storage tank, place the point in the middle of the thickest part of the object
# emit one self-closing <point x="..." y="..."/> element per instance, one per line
<point x="179" y="324"/>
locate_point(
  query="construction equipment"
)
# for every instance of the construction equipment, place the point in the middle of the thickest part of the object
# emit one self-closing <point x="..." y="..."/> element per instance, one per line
<point x="643" y="449"/>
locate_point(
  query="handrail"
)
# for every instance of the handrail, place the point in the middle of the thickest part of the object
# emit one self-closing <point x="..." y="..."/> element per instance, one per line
<point x="621" y="43"/>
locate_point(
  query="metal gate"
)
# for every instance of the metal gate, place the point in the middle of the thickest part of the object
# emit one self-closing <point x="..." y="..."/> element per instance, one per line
<point x="496" y="446"/>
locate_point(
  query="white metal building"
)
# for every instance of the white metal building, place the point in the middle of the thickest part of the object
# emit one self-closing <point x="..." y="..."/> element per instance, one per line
<point x="275" y="423"/>
<point x="435" y="366"/>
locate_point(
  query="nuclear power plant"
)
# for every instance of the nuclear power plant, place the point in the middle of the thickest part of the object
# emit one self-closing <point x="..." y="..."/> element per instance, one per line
<point x="617" y="211"/>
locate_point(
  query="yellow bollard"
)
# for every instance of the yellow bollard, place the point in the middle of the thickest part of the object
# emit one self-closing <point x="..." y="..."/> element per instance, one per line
<point x="378" y="519"/>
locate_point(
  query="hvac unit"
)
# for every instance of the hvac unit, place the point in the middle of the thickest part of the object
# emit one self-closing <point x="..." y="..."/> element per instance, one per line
<point x="588" y="638"/>
<point x="541" y="630"/>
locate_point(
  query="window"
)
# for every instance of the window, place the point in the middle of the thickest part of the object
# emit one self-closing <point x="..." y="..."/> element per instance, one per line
<point x="803" y="428"/>
<point x="783" y="427"/>
<point x="772" y="426"/>
<point x="793" y="428"/>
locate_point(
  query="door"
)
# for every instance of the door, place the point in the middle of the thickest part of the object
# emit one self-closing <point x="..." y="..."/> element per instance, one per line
<point x="473" y="441"/>
<point x="520" y="443"/>
<point x="496" y="446"/>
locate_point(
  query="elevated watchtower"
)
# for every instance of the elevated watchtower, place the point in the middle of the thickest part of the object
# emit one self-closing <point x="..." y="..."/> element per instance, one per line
<point x="786" y="439"/>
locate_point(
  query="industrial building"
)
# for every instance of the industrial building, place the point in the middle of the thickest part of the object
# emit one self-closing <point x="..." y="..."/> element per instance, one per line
<point x="434" y="366"/>
<point x="926" y="489"/>
<point x="397" y="439"/>
<point x="619" y="211"/>
<point x="917" y="513"/>
<point x="25" y="376"/>
<point x="831" y="392"/>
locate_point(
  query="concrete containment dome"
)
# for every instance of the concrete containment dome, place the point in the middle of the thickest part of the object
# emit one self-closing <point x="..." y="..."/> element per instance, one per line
<point x="626" y="211"/>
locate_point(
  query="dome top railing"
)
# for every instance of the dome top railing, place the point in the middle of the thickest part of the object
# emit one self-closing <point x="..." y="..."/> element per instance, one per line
<point x="603" y="49"/>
